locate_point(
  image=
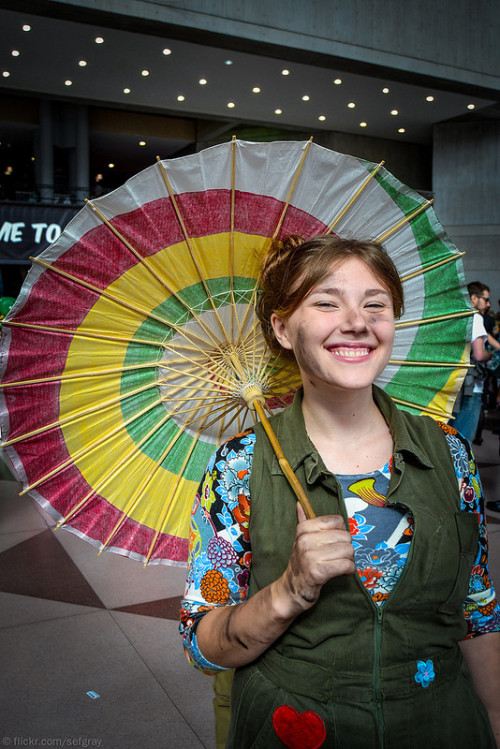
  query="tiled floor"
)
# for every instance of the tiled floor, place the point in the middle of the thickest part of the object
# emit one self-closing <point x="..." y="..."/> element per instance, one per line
<point x="73" y="623"/>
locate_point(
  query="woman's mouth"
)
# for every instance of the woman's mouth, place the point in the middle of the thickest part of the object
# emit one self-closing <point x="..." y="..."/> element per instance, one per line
<point x="350" y="352"/>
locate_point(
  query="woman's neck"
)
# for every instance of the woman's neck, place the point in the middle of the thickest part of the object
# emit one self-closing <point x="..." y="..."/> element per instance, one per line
<point x="347" y="429"/>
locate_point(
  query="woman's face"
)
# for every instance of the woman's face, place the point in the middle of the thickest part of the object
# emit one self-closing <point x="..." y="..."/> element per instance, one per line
<point x="342" y="333"/>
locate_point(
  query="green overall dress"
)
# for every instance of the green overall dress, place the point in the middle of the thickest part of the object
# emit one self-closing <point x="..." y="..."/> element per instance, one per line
<point x="348" y="662"/>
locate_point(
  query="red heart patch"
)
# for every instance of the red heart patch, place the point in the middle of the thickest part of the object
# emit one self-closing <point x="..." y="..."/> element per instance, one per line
<point x="298" y="731"/>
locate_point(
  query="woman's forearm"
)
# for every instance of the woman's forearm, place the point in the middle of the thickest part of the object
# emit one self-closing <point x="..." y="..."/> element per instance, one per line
<point x="232" y="636"/>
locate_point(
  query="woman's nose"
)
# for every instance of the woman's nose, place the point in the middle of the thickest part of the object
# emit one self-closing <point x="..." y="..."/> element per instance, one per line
<point x="354" y="320"/>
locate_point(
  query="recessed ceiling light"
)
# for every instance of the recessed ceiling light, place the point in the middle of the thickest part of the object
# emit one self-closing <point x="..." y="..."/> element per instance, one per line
<point x="305" y="97"/>
<point x="145" y="73"/>
<point x="228" y="62"/>
<point x="351" y="105"/>
<point x="142" y="142"/>
<point x="429" y="98"/>
<point x="337" y="81"/>
<point x="285" y="71"/>
<point x="99" y="40"/>
<point x="230" y="105"/>
<point x="68" y="83"/>
<point x="126" y="90"/>
<point x="471" y="106"/>
<point x="202" y="81"/>
<point x="180" y="97"/>
<point x="278" y="111"/>
<point x="167" y="51"/>
<point x="362" y="124"/>
<point x="111" y="166"/>
<point x="26" y="27"/>
<point x="15" y="53"/>
<point x="256" y="90"/>
<point x="322" y="117"/>
<point x="394" y="112"/>
<point x="385" y="90"/>
<point x="82" y="63"/>
<point x="32" y="158"/>
<point x="401" y="130"/>
<point x="6" y="74"/>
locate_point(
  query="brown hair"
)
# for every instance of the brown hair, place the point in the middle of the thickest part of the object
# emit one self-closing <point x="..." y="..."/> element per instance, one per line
<point x="294" y="266"/>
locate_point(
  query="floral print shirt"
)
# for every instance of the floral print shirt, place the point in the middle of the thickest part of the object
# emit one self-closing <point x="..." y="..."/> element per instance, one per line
<point x="219" y="565"/>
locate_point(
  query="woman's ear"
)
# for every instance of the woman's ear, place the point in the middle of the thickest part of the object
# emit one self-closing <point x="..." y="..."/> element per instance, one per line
<point x="280" y="331"/>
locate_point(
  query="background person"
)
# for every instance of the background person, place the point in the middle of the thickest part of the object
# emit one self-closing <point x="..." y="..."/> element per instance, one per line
<point x="468" y="406"/>
<point x="364" y="617"/>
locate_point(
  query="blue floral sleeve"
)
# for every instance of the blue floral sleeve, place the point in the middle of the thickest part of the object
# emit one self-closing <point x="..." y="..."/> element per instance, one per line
<point x="481" y="607"/>
<point x="220" y="555"/>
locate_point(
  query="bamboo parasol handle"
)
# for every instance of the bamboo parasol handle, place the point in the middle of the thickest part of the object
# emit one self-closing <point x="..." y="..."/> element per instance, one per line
<point x="284" y="464"/>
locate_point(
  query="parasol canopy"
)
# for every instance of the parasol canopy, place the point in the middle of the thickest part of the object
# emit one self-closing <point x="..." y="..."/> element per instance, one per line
<point x="133" y="349"/>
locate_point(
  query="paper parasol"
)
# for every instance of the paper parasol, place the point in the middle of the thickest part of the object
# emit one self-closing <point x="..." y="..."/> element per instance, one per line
<point x="133" y="348"/>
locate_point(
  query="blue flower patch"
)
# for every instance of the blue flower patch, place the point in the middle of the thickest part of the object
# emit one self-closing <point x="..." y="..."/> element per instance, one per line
<point x="425" y="673"/>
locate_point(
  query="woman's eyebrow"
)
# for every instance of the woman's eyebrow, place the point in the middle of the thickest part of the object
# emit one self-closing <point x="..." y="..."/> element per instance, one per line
<point x="336" y="291"/>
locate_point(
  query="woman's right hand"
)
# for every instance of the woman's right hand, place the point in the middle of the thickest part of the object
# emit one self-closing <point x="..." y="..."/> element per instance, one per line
<point x="322" y="550"/>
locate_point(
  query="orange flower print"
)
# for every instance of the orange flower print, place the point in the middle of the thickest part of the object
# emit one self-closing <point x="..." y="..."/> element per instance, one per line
<point x="242" y="515"/>
<point x="447" y="429"/>
<point x="214" y="587"/>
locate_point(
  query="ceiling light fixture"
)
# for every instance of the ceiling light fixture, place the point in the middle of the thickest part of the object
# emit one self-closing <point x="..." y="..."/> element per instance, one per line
<point x="362" y="124"/>
<point x="5" y="74"/>
<point x="385" y="90"/>
<point x="99" y="40"/>
<point x="68" y="83"/>
<point x="429" y="98"/>
<point x="228" y="62"/>
<point x="126" y="90"/>
<point x="145" y="73"/>
<point x="15" y="53"/>
<point x="394" y="112"/>
<point x="82" y="63"/>
<point x="337" y="81"/>
<point x="285" y="71"/>
<point x="230" y="105"/>
<point x="167" y="51"/>
<point x="202" y="81"/>
<point x="26" y="27"/>
<point x="401" y="130"/>
<point x="322" y="118"/>
<point x="142" y="142"/>
<point x="180" y="97"/>
<point x="278" y="111"/>
<point x="111" y="166"/>
<point x="351" y="105"/>
<point x="305" y="97"/>
<point x="256" y="90"/>
<point x="471" y="106"/>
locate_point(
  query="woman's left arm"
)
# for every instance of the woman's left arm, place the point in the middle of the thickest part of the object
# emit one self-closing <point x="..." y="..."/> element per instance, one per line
<point x="482" y="655"/>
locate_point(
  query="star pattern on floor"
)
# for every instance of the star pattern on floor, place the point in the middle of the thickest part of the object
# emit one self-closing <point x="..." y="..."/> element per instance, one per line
<point x="40" y="567"/>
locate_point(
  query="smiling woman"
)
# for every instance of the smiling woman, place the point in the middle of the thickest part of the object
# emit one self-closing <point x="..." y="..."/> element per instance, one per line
<point x="331" y="621"/>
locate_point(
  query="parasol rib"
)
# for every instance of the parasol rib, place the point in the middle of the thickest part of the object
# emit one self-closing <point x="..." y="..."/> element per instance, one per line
<point x="190" y="247"/>
<point x="426" y="268"/>
<point x="144" y="262"/>
<point x="111" y="473"/>
<point x="354" y="197"/>
<point x="293" y="185"/>
<point x="79" y="334"/>
<point x="407" y="362"/>
<point x="405" y="220"/>
<point x="419" y="407"/>
<point x="118" y="300"/>
<point x="79" y="375"/>
<point x="437" y="318"/>
<point x="75" y="417"/>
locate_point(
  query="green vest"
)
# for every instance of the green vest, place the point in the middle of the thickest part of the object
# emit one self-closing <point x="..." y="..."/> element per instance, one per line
<point x="351" y="662"/>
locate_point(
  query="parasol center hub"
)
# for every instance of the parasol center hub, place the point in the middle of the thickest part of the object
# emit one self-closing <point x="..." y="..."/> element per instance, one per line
<point x="251" y="394"/>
